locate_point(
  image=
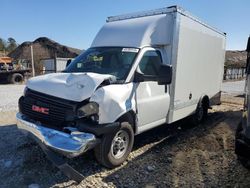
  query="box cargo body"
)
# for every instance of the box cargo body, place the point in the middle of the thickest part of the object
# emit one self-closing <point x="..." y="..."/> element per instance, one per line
<point x="198" y="61"/>
<point x="195" y="50"/>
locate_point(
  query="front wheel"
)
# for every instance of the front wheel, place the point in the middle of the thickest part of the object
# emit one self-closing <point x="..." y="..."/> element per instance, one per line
<point x="115" y="147"/>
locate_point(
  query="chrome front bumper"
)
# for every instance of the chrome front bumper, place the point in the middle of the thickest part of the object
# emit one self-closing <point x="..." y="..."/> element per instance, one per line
<point x="68" y="144"/>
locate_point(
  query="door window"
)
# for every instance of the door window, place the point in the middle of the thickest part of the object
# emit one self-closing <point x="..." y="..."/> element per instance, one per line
<point x="150" y="63"/>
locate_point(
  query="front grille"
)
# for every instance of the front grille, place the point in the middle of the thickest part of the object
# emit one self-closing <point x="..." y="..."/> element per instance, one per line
<point x="60" y="110"/>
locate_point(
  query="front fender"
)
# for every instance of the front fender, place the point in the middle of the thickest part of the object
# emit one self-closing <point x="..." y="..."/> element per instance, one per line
<point x="114" y="100"/>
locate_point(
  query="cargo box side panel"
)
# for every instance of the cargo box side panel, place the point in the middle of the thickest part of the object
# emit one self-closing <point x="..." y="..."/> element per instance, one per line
<point x="199" y="66"/>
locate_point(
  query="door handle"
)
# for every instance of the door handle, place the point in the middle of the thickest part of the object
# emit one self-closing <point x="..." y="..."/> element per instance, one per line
<point x="166" y="88"/>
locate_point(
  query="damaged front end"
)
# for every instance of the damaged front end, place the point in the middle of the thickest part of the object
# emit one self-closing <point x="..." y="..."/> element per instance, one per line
<point x="61" y="127"/>
<point x="69" y="143"/>
<point x="69" y="120"/>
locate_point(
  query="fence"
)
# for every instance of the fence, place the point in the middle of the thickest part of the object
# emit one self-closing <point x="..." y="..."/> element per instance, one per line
<point x="234" y="73"/>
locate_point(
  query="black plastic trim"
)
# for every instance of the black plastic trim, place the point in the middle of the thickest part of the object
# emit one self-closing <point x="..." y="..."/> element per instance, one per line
<point x="98" y="129"/>
<point x="61" y="163"/>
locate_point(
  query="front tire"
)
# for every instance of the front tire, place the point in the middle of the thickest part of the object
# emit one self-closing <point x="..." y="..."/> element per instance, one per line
<point x="115" y="147"/>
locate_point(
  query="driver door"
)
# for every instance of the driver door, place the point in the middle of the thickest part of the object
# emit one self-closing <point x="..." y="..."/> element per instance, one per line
<point x="152" y="99"/>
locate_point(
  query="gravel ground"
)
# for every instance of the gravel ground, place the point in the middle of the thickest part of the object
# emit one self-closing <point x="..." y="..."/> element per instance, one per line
<point x="178" y="155"/>
<point x="9" y="95"/>
<point x="235" y="87"/>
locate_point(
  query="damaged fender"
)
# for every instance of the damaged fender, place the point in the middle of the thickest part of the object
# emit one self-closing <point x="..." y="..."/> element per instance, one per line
<point x="114" y="101"/>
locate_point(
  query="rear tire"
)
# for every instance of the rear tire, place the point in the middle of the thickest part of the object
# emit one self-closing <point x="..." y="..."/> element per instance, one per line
<point x="16" y="78"/>
<point x="200" y="114"/>
<point x="115" y="147"/>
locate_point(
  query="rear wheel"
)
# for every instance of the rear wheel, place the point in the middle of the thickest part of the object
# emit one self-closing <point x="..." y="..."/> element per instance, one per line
<point x="16" y="78"/>
<point x="200" y="113"/>
<point x="115" y="147"/>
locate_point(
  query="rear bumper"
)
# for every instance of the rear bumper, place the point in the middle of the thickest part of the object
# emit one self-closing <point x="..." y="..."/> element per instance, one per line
<point x="68" y="144"/>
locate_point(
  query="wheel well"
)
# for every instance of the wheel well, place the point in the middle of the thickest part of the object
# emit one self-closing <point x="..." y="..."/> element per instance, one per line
<point x="205" y="101"/>
<point x="129" y="117"/>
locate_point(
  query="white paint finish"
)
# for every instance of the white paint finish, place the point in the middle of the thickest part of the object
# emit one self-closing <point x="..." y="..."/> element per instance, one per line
<point x="165" y="10"/>
<point x="151" y="99"/>
<point x="199" y="64"/>
<point x="137" y="32"/>
<point x="71" y="86"/>
<point x="114" y="101"/>
<point x="184" y="112"/>
<point x="152" y="103"/>
<point x="151" y="125"/>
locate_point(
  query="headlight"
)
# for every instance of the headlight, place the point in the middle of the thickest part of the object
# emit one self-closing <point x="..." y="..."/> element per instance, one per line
<point x="25" y="91"/>
<point x="87" y="110"/>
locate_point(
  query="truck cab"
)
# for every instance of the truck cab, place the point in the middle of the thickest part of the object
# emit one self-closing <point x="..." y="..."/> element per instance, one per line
<point x="99" y="94"/>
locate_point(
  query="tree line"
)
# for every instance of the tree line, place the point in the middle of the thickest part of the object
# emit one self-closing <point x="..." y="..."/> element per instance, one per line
<point x="8" y="45"/>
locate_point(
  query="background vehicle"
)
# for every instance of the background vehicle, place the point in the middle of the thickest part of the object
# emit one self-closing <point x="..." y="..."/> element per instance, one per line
<point x="242" y="140"/>
<point x="142" y="70"/>
<point x="11" y="72"/>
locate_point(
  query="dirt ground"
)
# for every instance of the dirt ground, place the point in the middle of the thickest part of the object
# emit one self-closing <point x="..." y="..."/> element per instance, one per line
<point x="177" y="155"/>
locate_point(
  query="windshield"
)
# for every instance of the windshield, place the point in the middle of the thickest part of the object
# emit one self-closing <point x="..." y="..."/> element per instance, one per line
<point x="116" y="61"/>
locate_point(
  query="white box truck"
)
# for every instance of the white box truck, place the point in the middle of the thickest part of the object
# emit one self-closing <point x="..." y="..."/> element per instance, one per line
<point x="141" y="71"/>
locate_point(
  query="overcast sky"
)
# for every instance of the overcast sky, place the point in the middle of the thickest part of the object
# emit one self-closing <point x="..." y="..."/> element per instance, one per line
<point x="75" y="22"/>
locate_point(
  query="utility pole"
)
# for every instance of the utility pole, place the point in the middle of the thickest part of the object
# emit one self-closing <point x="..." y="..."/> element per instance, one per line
<point x="32" y="61"/>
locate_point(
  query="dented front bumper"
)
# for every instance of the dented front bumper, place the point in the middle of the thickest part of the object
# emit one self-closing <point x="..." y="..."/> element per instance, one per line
<point x="68" y="144"/>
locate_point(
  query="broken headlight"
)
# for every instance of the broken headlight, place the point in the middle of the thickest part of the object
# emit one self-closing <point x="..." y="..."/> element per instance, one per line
<point x="88" y="110"/>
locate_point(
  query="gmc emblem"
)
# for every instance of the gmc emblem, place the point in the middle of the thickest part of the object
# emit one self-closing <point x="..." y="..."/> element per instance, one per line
<point x="40" y="109"/>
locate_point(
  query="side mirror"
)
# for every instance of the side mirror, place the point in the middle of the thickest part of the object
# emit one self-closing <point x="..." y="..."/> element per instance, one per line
<point x="68" y="62"/>
<point x="165" y="75"/>
<point x="138" y="77"/>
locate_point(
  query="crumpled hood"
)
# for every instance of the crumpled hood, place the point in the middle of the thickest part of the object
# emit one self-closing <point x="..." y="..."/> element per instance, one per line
<point x="71" y="86"/>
